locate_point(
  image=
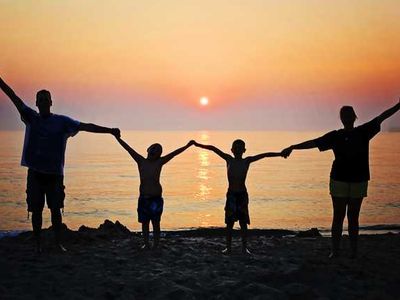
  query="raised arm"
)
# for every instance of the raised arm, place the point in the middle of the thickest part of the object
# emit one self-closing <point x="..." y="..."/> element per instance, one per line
<point x="388" y="113"/>
<point x="136" y="156"/>
<point x="254" y="158"/>
<point x="223" y="155"/>
<point x="89" y="127"/>
<point x="19" y="104"/>
<point x="178" y="151"/>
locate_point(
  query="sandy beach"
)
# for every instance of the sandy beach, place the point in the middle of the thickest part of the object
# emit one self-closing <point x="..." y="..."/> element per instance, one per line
<point x="107" y="263"/>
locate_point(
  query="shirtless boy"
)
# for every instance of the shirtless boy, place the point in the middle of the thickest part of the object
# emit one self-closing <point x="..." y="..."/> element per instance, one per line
<point x="237" y="199"/>
<point x="151" y="203"/>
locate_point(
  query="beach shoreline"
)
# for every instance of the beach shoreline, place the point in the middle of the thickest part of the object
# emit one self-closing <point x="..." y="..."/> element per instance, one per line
<point x="107" y="263"/>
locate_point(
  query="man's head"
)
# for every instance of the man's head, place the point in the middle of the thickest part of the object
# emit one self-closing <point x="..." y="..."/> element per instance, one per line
<point x="348" y="116"/>
<point x="154" y="151"/>
<point x="238" y="148"/>
<point x="43" y="101"/>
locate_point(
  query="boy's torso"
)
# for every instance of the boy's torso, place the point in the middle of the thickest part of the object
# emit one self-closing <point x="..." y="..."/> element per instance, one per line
<point x="237" y="173"/>
<point x="150" y="171"/>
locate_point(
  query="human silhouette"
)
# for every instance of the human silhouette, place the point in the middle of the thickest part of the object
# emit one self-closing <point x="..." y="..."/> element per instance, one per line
<point x="350" y="170"/>
<point x="237" y="199"/>
<point x="150" y="202"/>
<point x="43" y="154"/>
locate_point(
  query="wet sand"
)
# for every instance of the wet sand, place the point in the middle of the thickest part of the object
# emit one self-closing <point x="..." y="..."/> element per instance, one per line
<point x="107" y="263"/>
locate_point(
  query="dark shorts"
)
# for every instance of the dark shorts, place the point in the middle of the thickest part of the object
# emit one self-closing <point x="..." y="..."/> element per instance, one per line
<point x="40" y="186"/>
<point x="150" y="209"/>
<point x="237" y="207"/>
<point x="344" y="189"/>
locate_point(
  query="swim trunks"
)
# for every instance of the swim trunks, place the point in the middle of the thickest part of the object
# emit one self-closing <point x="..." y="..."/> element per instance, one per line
<point x="150" y="208"/>
<point x="237" y="207"/>
<point x="40" y="186"/>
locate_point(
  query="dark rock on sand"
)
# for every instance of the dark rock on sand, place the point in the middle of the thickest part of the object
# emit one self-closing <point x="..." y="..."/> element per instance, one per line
<point x="313" y="232"/>
<point x="107" y="230"/>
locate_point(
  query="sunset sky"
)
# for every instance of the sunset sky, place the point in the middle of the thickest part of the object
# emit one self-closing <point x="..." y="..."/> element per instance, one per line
<point x="146" y="64"/>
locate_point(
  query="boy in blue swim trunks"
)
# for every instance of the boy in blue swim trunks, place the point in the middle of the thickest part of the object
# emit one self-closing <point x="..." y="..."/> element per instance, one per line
<point x="237" y="199"/>
<point x="151" y="203"/>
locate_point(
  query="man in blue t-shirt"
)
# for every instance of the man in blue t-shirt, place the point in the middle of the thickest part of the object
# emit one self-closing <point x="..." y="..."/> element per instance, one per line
<point x="43" y="154"/>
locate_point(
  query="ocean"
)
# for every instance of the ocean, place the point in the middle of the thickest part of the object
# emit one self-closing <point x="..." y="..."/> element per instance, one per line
<point x="102" y="181"/>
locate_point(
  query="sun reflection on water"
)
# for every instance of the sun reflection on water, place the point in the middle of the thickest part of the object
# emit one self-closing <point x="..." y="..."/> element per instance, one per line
<point x="202" y="173"/>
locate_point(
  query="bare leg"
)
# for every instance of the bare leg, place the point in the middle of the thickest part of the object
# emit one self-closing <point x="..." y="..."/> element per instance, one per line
<point x="353" y="213"/>
<point x="37" y="221"/>
<point x="339" y="213"/>
<point x="156" y="232"/>
<point x="229" y="228"/>
<point x="243" y="231"/>
<point x="56" y="222"/>
<point x="145" y="232"/>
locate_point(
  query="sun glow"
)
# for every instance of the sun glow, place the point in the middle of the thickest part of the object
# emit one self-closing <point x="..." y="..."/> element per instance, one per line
<point x="203" y="101"/>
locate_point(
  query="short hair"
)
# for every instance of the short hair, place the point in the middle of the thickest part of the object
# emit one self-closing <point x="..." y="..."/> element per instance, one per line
<point x="43" y="94"/>
<point x="239" y="143"/>
<point x="155" y="145"/>
<point x="348" y="110"/>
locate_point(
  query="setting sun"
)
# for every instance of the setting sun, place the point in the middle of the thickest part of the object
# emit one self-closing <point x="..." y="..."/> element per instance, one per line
<point x="203" y="101"/>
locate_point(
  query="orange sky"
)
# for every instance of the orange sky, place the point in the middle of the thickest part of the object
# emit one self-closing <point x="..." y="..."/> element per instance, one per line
<point x="173" y="52"/>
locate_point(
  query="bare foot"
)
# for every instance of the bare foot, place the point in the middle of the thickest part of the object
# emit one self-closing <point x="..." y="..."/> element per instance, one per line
<point x="61" y="248"/>
<point x="246" y="251"/>
<point x="226" y="251"/>
<point x="145" y="247"/>
<point x="333" y="255"/>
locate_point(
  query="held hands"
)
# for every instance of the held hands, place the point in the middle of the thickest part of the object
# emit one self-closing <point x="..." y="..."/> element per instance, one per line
<point x="286" y="152"/>
<point x="116" y="132"/>
<point x="191" y="143"/>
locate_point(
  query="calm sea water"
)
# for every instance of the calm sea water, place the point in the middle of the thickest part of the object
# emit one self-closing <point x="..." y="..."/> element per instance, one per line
<point x="102" y="181"/>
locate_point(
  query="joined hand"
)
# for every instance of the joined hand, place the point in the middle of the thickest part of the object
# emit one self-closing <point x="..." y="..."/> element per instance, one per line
<point x="116" y="132"/>
<point x="286" y="152"/>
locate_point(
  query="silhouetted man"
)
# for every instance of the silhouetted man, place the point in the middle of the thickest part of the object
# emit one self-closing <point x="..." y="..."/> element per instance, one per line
<point x="43" y="154"/>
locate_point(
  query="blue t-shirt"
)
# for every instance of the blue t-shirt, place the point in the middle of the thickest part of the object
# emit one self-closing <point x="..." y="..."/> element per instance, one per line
<point x="46" y="140"/>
